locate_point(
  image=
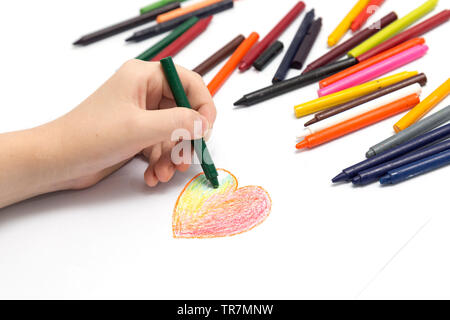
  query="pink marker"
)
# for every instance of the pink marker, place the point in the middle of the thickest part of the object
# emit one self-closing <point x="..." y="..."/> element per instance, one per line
<point x="372" y="72"/>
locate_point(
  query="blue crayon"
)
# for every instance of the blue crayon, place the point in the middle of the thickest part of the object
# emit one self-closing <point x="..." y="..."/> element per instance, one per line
<point x="374" y="174"/>
<point x="405" y="148"/>
<point x="283" y="69"/>
<point x="417" y="168"/>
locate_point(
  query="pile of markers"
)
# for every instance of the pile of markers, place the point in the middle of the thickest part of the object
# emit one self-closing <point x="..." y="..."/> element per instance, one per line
<point x="352" y="95"/>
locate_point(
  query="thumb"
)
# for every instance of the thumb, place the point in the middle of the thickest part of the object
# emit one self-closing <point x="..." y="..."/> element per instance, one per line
<point x="173" y="124"/>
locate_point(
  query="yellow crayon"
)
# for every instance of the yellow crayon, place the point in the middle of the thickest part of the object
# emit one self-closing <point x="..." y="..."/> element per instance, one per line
<point x="424" y="107"/>
<point x="345" y="24"/>
<point x="346" y="95"/>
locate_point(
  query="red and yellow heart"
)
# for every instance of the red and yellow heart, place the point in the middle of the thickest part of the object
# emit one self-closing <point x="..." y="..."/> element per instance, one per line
<point x="204" y="212"/>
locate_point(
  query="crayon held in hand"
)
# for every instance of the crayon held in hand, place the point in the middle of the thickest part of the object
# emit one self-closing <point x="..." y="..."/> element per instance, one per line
<point x="181" y="100"/>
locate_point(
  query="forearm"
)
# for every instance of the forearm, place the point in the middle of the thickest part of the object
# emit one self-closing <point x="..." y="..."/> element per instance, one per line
<point x="28" y="164"/>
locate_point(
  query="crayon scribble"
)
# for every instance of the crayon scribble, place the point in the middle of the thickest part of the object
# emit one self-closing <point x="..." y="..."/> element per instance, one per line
<point x="203" y="212"/>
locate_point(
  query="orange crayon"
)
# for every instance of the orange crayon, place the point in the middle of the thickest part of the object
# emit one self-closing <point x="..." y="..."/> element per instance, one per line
<point x="184" y="10"/>
<point x="372" y="61"/>
<point x="232" y="63"/>
<point x="359" y="122"/>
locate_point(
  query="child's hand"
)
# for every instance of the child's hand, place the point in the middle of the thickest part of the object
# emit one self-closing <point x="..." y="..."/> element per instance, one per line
<point x="132" y="112"/>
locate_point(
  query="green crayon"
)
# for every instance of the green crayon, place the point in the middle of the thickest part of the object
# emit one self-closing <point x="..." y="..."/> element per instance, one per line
<point x="182" y="101"/>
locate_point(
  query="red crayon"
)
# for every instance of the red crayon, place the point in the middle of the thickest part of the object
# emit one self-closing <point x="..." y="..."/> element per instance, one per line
<point x="273" y="35"/>
<point x="408" y="34"/>
<point x="184" y="40"/>
<point x="369" y="10"/>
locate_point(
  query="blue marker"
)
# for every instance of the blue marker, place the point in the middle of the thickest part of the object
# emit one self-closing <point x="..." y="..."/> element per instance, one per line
<point x="417" y="168"/>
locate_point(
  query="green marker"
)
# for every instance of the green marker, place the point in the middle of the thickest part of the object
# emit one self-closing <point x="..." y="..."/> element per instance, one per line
<point x="182" y="101"/>
<point x="157" y="4"/>
<point x="161" y="45"/>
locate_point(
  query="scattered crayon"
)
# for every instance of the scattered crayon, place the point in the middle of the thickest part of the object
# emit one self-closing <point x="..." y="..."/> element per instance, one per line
<point x="172" y="24"/>
<point x="366" y="107"/>
<point x="420" y="79"/>
<point x="219" y="56"/>
<point x="413" y="32"/>
<point x="307" y="44"/>
<point x="394" y="28"/>
<point x="158" y="4"/>
<point x="359" y="122"/>
<point x="273" y="35"/>
<point x="293" y="48"/>
<point x="184" y="10"/>
<point x="419" y="142"/>
<point x="292" y="84"/>
<point x="370" y="62"/>
<point x="125" y="25"/>
<point x="345" y="24"/>
<point x="424" y="107"/>
<point x="425" y="125"/>
<point x="217" y="82"/>
<point x="184" y="40"/>
<point x="368" y="11"/>
<point x="175" y="34"/>
<point x="268" y="56"/>
<point x="373" y="174"/>
<point x="341" y="50"/>
<point x="376" y="70"/>
<point x="417" y="168"/>
<point x="346" y="95"/>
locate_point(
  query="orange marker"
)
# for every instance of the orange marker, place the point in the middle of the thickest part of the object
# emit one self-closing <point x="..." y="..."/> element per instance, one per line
<point x="372" y="61"/>
<point x="182" y="11"/>
<point x="232" y="63"/>
<point x="359" y="122"/>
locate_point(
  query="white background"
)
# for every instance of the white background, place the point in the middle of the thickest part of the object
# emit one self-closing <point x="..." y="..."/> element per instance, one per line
<point x="115" y="239"/>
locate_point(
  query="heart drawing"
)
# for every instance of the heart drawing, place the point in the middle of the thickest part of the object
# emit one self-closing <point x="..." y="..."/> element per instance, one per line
<point x="204" y="212"/>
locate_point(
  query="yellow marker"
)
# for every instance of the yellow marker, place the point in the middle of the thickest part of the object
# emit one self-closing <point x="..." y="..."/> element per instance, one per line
<point x="424" y="107"/>
<point x="346" y="95"/>
<point x="345" y="24"/>
<point x="394" y="28"/>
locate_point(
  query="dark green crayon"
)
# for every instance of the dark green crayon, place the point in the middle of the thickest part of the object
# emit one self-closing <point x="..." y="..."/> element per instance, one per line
<point x="161" y="45"/>
<point x="182" y="101"/>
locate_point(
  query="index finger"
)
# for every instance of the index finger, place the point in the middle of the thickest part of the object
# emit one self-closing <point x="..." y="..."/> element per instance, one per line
<point x="196" y="91"/>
